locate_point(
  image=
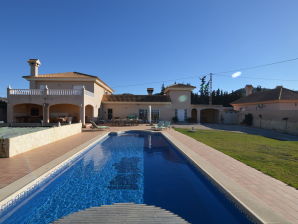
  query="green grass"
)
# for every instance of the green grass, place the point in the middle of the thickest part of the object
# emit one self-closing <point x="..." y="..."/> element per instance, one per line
<point x="278" y="159"/>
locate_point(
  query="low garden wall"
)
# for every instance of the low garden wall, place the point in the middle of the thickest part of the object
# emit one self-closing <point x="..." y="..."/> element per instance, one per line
<point x="15" y="145"/>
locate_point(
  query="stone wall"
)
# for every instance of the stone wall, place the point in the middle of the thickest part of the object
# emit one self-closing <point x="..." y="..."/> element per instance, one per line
<point x="285" y="121"/>
<point x="23" y="143"/>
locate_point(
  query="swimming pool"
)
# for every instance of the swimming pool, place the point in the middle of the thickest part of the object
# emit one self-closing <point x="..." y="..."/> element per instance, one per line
<point x="136" y="167"/>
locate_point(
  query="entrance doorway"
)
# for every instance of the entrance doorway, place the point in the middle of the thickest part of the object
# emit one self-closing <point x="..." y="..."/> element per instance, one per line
<point x="110" y="114"/>
<point x="209" y="116"/>
<point x="194" y="115"/>
<point x="181" y="115"/>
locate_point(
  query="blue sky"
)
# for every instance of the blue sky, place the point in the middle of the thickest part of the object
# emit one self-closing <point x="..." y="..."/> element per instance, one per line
<point x="131" y="42"/>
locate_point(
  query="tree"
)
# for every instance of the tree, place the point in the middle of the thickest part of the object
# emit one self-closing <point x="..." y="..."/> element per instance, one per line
<point x="162" y="91"/>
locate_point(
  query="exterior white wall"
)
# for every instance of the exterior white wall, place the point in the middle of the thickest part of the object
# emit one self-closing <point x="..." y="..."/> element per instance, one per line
<point x="275" y="120"/>
<point x="23" y="143"/>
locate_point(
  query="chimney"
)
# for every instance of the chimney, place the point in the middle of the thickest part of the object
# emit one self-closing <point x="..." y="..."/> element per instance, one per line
<point x="248" y="90"/>
<point x="150" y="91"/>
<point x="34" y="64"/>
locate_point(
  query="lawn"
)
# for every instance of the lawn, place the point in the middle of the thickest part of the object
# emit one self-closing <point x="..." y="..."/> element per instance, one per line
<point x="278" y="159"/>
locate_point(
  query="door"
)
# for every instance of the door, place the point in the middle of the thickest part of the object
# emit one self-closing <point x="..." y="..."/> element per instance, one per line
<point x="110" y="114"/>
<point x="180" y="115"/>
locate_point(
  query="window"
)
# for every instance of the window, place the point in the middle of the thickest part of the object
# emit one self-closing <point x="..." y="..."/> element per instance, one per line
<point x="155" y="115"/>
<point x="143" y="114"/>
<point x="110" y="114"/>
<point x="34" y="111"/>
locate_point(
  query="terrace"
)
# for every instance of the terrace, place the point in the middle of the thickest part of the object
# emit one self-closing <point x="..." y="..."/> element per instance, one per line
<point x="50" y="105"/>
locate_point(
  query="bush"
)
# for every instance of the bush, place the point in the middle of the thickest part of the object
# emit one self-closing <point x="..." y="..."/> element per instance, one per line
<point x="174" y="119"/>
<point x="248" y="119"/>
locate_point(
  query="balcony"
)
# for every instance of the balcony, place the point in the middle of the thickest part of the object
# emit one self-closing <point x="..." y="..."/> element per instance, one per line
<point x="49" y="92"/>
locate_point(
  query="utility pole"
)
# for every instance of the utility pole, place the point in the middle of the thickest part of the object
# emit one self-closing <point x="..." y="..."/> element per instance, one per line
<point x="210" y="89"/>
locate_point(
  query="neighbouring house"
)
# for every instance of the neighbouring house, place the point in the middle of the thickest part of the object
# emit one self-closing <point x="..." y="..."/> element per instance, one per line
<point x="271" y="109"/>
<point x="3" y="109"/>
<point x="78" y="97"/>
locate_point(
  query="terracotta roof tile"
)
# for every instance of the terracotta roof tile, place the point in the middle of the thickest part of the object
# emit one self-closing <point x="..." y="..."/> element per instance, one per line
<point x="180" y="85"/>
<point x="62" y="75"/>
<point x="65" y="75"/>
<point x="136" y="98"/>
<point x="279" y="93"/>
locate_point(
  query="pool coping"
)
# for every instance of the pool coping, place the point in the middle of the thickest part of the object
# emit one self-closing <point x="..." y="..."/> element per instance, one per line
<point x="251" y="205"/>
<point x="16" y="189"/>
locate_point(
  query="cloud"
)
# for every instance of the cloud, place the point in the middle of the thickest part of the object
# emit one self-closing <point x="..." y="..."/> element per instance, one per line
<point x="236" y="74"/>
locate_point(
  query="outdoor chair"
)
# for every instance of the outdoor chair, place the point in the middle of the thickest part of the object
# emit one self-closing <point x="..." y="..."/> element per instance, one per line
<point x="159" y="127"/>
<point x="167" y="124"/>
<point x="101" y="128"/>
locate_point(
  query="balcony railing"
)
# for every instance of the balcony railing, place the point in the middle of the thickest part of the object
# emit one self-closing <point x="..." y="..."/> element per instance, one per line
<point x="64" y="92"/>
<point x="50" y="92"/>
<point x="25" y="92"/>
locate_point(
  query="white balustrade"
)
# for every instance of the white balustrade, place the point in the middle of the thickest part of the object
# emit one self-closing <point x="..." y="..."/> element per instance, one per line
<point x="50" y="92"/>
<point x="64" y="92"/>
<point x="27" y="92"/>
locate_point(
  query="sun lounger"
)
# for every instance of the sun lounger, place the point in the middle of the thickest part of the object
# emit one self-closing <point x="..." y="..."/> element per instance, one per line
<point x="167" y="124"/>
<point x="95" y="126"/>
<point x="159" y="127"/>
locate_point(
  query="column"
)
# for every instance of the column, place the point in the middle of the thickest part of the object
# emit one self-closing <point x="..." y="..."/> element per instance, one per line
<point x="199" y="116"/>
<point x="82" y="114"/>
<point x="149" y="114"/>
<point x="46" y="113"/>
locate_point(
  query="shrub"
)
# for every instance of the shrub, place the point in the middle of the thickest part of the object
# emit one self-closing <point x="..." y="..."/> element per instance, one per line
<point x="248" y="119"/>
<point x="174" y="119"/>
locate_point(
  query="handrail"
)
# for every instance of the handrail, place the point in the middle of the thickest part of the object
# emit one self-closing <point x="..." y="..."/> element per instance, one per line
<point x="50" y="92"/>
<point x="25" y="92"/>
<point x="64" y="92"/>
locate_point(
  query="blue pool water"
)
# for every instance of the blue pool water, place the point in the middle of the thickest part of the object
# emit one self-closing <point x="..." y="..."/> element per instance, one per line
<point x="131" y="167"/>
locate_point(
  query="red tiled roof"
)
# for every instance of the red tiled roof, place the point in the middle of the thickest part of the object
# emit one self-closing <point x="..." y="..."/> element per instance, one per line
<point x="65" y="75"/>
<point x="136" y="98"/>
<point x="180" y="85"/>
<point x="279" y="93"/>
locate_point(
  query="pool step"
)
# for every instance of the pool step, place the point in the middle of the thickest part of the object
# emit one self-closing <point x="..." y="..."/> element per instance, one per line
<point x="123" y="213"/>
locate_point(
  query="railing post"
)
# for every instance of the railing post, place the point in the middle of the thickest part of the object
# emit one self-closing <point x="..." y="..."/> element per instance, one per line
<point x="8" y="90"/>
<point x="46" y="90"/>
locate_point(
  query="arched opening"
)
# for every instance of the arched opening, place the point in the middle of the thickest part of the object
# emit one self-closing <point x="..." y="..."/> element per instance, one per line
<point x="209" y="116"/>
<point x="88" y="113"/>
<point x="194" y="115"/>
<point x="64" y="113"/>
<point x="27" y="113"/>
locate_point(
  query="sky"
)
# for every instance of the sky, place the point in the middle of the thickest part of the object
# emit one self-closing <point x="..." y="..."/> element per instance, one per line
<point x="135" y="44"/>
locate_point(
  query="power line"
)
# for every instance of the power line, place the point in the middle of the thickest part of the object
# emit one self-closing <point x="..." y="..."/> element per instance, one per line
<point x="258" y="66"/>
<point x="260" y="78"/>
<point x="223" y="72"/>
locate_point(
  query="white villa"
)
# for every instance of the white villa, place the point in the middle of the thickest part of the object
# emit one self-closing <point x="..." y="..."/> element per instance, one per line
<point x="78" y="97"/>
